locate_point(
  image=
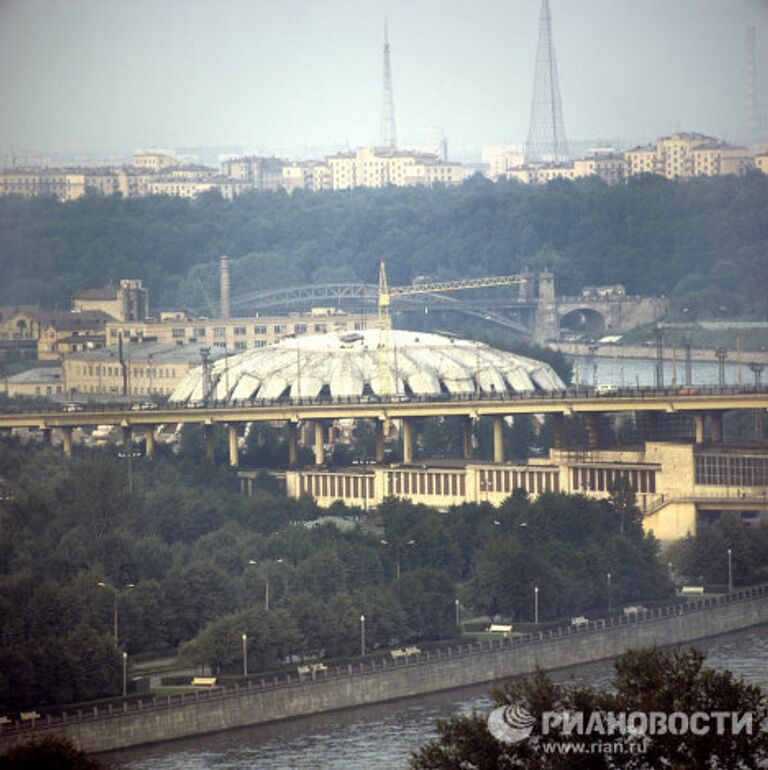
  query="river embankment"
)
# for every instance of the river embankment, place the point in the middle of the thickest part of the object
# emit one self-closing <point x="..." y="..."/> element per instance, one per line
<point x="154" y="720"/>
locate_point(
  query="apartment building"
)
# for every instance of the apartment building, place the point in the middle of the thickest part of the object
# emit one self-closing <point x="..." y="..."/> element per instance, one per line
<point x="378" y="167"/>
<point x="311" y="175"/>
<point x="686" y="155"/>
<point x="257" y="172"/>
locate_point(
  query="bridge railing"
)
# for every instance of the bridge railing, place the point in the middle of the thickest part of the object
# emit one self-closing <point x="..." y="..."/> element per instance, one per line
<point x="572" y="393"/>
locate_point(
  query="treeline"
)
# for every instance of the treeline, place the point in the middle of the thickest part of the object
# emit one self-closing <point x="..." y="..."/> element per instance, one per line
<point x="692" y="241"/>
<point x="186" y="562"/>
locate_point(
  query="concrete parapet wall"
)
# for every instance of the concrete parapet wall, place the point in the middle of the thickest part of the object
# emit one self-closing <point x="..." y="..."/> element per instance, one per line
<point x="163" y="719"/>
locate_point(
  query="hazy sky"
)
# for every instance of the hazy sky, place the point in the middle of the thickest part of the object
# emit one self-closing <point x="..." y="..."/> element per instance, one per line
<point x="108" y="76"/>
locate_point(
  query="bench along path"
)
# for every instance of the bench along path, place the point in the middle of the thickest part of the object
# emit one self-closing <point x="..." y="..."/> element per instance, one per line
<point x="213" y="708"/>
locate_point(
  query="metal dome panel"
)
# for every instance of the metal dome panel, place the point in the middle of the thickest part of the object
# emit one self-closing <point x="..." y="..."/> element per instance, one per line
<point x="345" y="365"/>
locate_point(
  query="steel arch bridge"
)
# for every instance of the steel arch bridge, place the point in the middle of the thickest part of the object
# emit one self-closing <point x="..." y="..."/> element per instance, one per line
<point x="363" y="295"/>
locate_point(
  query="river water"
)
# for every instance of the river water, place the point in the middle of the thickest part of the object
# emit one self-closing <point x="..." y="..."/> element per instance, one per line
<point x="640" y="372"/>
<point x="383" y="737"/>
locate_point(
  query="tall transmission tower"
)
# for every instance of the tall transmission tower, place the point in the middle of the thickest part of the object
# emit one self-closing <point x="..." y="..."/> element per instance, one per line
<point x="751" y="100"/>
<point x="546" y="133"/>
<point x="388" y="129"/>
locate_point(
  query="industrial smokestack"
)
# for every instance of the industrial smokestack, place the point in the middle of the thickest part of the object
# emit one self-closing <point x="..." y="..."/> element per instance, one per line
<point x="224" y="287"/>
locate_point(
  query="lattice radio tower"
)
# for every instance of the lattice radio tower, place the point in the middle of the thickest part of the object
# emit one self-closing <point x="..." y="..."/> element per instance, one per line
<point x="546" y="133"/>
<point x="388" y="128"/>
<point x="751" y="100"/>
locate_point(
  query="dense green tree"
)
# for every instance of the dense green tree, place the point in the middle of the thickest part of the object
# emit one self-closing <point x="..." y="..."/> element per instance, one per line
<point x="704" y="558"/>
<point x="653" y="235"/>
<point x="646" y="681"/>
<point x="51" y="753"/>
<point x="194" y="594"/>
<point x="270" y="637"/>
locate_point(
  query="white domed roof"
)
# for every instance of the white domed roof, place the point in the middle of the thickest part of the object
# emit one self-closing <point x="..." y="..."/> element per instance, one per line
<point x="351" y="364"/>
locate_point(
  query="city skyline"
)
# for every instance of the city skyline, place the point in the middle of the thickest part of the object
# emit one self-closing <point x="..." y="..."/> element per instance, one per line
<point x="103" y="78"/>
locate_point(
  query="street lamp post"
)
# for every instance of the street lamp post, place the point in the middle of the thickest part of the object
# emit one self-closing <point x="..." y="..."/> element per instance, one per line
<point x="458" y="611"/>
<point x="536" y="605"/>
<point x="125" y="673"/>
<point x="730" y="570"/>
<point x="608" y="590"/>
<point x="397" y="555"/>
<point x="362" y="635"/>
<point x="129" y="454"/>
<point x="245" y="654"/>
<point x="102" y="584"/>
<point x="266" y="582"/>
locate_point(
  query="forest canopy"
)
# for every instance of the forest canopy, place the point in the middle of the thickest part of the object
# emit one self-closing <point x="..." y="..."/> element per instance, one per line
<point x="687" y="240"/>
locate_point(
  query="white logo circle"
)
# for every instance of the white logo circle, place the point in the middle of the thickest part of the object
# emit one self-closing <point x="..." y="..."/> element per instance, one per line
<point x="511" y="724"/>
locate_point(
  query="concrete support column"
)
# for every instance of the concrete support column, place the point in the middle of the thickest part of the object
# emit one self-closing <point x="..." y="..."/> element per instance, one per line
<point x="698" y="423"/>
<point x="653" y="424"/>
<point x="716" y="426"/>
<point x="208" y="442"/>
<point x="234" y="455"/>
<point x="127" y="438"/>
<point x="466" y="436"/>
<point x="379" y="441"/>
<point x="407" y="441"/>
<point x="592" y="430"/>
<point x="319" y="443"/>
<point x="557" y="430"/>
<point x="66" y="436"/>
<point x="498" y="439"/>
<point x="293" y="444"/>
<point x="47" y="441"/>
<point x="149" y="441"/>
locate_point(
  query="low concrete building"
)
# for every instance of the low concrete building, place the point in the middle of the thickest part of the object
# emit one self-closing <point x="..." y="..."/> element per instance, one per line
<point x="675" y="483"/>
<point x="127" y="302"/>
<point x="42" y="382"/>
<point x="141" y="369"/>
<point x="236" y="334"/>
<point x="67" y="332"/>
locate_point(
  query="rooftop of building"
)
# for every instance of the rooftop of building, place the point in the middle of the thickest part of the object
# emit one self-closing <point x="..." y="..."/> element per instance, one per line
<point x="104" y="293"/>
<point x="82" y="319"/>
<point x="144" y="352"/>
<point x="39" y="375"/>
<point x="9" y="311"/>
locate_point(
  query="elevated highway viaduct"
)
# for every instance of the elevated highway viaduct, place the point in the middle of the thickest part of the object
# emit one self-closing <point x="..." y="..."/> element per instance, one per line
<point x="701" y="405"/>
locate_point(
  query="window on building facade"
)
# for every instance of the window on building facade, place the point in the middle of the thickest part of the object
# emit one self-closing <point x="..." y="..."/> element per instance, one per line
<point x="241" y="345"/>
<point x="178" y="332"/>
<point x="321" y="328"/>
<point x="300" y="329"/>
<point x="219" y="331"/>
<point x="259" y="329"/>
<point x="731" y="470"/>
<point x="239" y="330"/>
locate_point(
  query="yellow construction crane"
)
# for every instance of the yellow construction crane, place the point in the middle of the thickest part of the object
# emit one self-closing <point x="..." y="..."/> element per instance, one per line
<point x="386" y="293"/>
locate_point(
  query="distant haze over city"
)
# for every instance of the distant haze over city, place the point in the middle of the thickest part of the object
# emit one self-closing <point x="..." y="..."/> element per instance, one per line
<point x="299" y="78"/>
